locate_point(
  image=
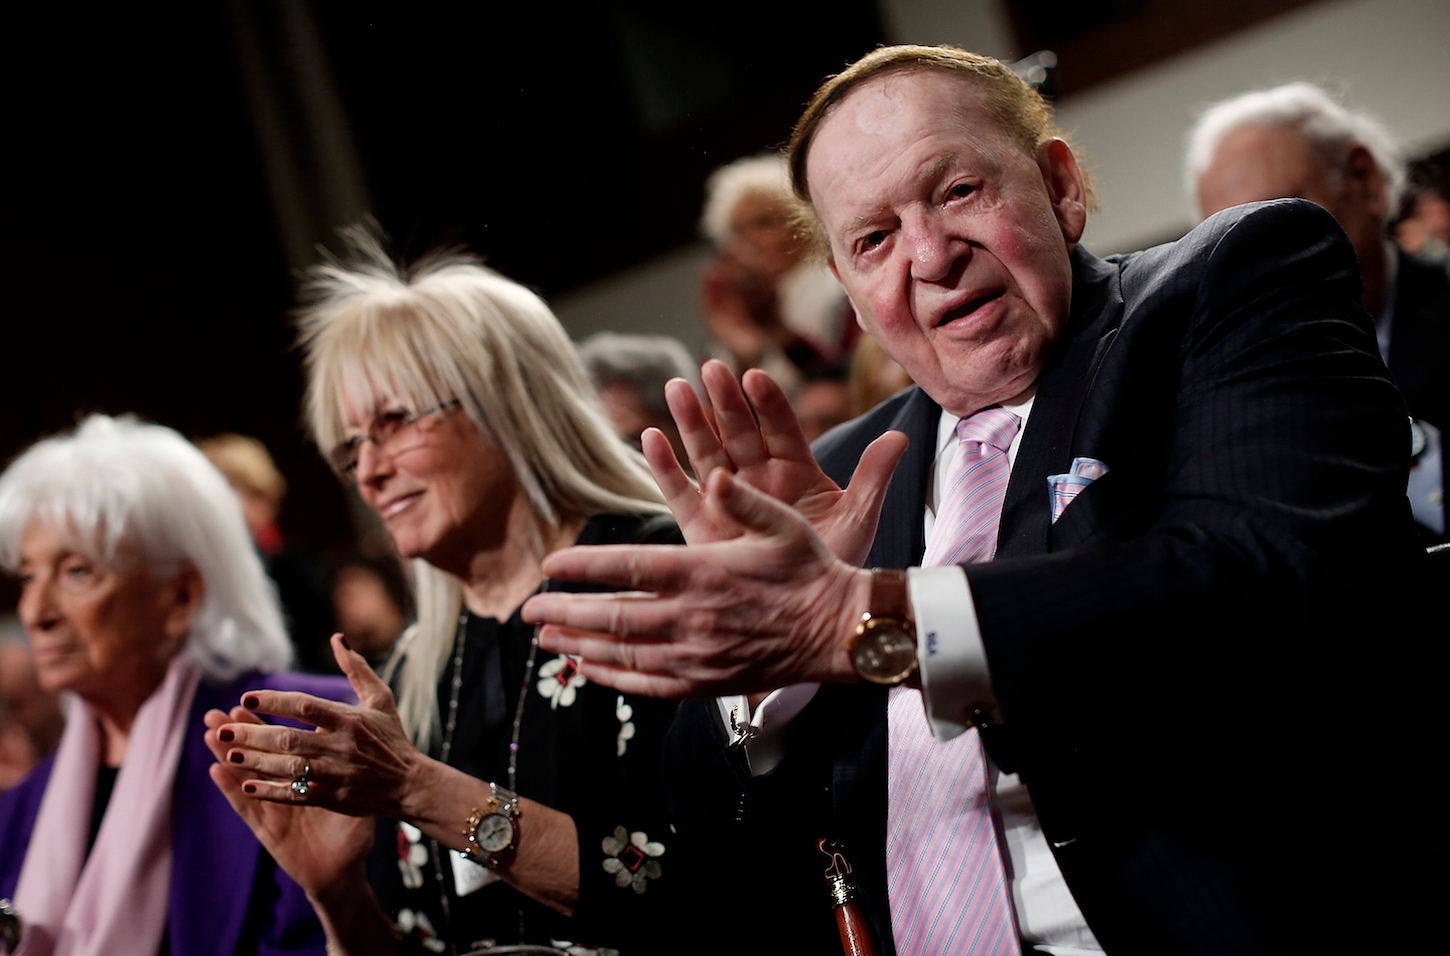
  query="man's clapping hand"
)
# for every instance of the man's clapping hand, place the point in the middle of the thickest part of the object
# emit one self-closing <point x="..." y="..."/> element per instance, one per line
<point x="767" y="606"/>
<point x="757" y="437"/>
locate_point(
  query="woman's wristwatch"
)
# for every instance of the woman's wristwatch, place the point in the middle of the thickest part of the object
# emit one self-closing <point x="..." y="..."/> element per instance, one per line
<point x="883" y="649"/>
<point x="490" y="830"/>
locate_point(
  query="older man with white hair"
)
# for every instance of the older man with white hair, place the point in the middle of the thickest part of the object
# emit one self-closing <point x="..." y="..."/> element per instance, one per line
<point x="1295" y="140"/>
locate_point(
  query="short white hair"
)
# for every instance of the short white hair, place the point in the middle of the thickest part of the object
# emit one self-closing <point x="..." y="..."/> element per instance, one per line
<point x="765" y="175"/>
<point x="1324" y="123"/>
<point x="120" y="481"/>
<point x="643" y="363"/>
<point x="448" y="329"/>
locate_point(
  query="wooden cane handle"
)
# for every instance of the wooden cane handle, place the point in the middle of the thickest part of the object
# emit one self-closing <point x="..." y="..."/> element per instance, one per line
<point x="856" y="936"/>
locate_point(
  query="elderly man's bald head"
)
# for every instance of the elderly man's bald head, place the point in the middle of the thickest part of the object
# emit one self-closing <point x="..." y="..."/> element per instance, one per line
<point x="1020" y="110"/>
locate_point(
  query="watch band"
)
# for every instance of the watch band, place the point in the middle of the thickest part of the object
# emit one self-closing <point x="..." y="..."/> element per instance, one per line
<point x="889" y="595"/>
<point x="883" y="648"/>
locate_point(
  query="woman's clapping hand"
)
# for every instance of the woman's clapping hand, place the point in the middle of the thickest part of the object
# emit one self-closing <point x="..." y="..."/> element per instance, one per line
<point x="318" y="848"/>
<point x="358" y="760"/>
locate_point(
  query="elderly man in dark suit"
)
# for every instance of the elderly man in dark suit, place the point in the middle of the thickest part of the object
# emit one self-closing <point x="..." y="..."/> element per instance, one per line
<point x="1295" y="140"/>
<point x="1113" y="704"/>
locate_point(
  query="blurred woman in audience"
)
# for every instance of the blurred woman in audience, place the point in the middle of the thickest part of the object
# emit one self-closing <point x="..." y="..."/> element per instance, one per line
<point x="300" y="578"/>
<point x="31" y="720"/>
<point x="519" y="803"/>
<point x="875" y="376"/>
<point x="370" y="599"/>
<point x="768" y="303"/>
<point x="1423" y="224"/>
<point x="823" y="400"/>
<point x="629" y="373"/>
<point x="141" y="594"/>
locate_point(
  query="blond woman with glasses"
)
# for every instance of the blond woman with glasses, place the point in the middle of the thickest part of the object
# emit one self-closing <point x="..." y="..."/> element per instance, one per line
<point x="516" y="804"/>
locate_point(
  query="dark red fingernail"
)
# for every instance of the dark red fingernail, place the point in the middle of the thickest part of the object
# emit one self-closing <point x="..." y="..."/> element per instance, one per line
<point x="249" y="788"/>
<point x="345" y="645"/>
<point x="234" y="757"/>
<point x="225" y="735"/>
<point x="251" y="703"/>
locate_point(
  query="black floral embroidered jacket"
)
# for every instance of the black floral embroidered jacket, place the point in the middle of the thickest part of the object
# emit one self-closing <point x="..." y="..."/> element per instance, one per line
<point x="585" y="750"/>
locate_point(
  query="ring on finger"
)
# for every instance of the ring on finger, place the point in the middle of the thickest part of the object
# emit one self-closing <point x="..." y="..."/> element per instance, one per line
<point x="300" y="783"/>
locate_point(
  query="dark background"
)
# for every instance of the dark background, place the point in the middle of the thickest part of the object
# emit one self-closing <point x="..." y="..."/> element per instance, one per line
<point x="169" y="171"/>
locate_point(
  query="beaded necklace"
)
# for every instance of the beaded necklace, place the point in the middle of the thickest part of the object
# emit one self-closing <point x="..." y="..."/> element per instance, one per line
<point x="451" y="725"/>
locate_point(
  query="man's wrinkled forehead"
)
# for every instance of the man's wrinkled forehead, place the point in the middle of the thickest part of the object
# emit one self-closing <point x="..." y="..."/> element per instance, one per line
<point x="916" y="124"/>
<point x="947" y="102"/>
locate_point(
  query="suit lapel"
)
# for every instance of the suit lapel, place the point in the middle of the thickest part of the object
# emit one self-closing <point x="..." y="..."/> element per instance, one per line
<point x="1047" y="442"/>
<point x="900" y="533"/>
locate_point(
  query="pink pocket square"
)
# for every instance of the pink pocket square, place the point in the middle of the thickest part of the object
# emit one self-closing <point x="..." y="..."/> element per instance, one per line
<point x="1064" y="488"/>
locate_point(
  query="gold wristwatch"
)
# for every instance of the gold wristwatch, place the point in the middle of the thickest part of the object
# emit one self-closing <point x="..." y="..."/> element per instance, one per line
<point x="883" y="649"/>
<point x="490" y="830"/>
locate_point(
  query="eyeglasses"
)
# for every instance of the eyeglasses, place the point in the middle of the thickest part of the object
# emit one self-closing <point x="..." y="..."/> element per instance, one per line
<point x="392" y="432"/>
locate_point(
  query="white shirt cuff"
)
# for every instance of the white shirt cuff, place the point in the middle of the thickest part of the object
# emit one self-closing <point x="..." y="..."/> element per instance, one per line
<point x="955" y="681"/>
<point x="764" y="730"/>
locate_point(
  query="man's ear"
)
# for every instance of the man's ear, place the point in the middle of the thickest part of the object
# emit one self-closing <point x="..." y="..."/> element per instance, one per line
<point x="1066" y="189"/>
<point x="184" y="594"/>
<point x="1364" y="182"/>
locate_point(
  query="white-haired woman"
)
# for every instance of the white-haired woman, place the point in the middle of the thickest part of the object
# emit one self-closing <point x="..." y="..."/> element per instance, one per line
<point x="768" y="303"/>
<point x="141" y="595"/>
<point x="518" y="803"/>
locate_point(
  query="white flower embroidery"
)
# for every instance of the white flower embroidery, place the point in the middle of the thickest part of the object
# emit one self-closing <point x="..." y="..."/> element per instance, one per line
<point x="574" y="949"/>
<point x="412" y="855"/>
<point x="630" y="859"/>
<point x="626" y="726"/>
<point x="560" y="680"/>
<point x="417" y="925"/>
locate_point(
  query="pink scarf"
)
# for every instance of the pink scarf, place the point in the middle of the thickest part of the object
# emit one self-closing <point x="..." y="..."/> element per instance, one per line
<point x="116" y="903"/>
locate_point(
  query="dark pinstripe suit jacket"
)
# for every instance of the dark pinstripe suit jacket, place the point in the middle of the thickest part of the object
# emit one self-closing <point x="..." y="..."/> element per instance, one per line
<point x="1178" y="659"/>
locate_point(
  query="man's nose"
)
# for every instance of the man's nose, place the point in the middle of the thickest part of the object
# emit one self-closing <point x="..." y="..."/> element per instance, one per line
<point x="934" y="251"/>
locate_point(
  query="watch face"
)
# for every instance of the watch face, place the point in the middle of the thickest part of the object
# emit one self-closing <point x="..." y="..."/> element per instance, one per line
<point x="885" y="653"/>
<point x="495" y="832"/>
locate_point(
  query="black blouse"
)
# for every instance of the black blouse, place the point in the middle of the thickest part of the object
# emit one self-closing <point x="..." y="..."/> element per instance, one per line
<point x="585" y="750"/>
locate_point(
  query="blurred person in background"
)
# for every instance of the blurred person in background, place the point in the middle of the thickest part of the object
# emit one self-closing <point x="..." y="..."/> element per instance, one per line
<point x="370" y="599"/>
<point x="1423" y="225"/>
<point x="300" y="578"/>
<point x="768" y="303"/>
<point x="629" y="373"/>
<point x="1296" y="141"/>
<point x="517" y="802"/>
<point x="142" y="595"/>
<point x="823" y="400"/>
<point x="875" y="376"/>
<point x="31" y="719"/>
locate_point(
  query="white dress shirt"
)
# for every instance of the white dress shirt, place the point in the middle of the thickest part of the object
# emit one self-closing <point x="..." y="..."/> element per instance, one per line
<point x="954" y="680"/>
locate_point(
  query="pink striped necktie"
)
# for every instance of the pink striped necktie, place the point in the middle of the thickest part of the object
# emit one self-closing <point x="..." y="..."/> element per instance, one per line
<point x="944" y="873"/>
<point x="970" y="509"/>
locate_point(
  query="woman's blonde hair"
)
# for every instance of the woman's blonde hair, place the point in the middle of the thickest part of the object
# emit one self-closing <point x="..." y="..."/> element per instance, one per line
<point x="380" y="336"/>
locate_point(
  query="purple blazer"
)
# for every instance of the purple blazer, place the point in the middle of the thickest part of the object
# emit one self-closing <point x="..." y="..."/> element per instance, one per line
<point x="227" y="896"/>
